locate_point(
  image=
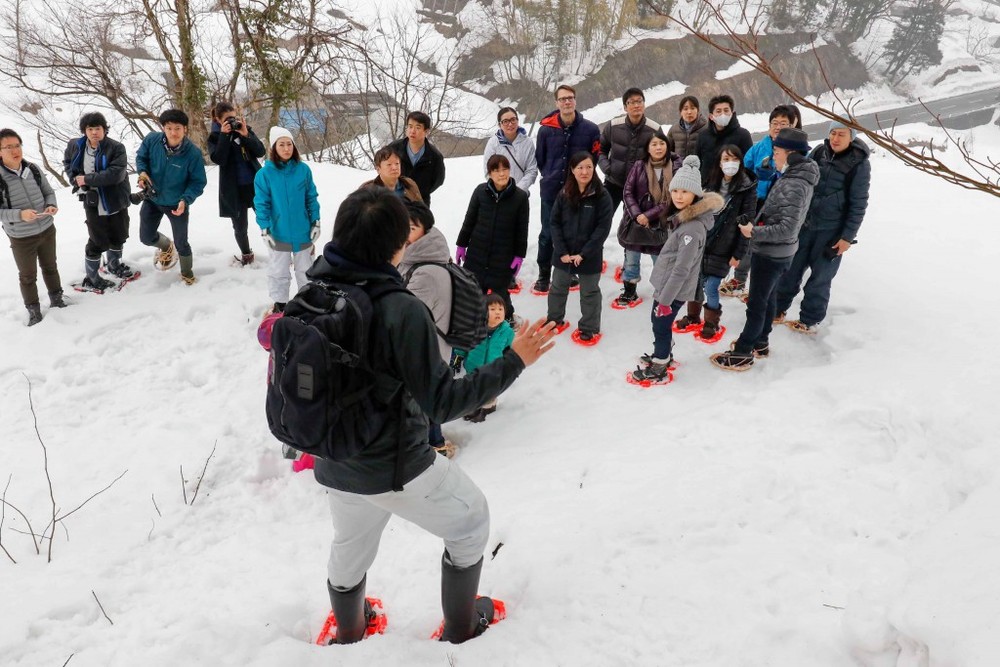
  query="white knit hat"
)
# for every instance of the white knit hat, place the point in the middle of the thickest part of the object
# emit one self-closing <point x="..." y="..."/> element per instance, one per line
<point x="277" y="133"/>
<point x="688" y="177"/>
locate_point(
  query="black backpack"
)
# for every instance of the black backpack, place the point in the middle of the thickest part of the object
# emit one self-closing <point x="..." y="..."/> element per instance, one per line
<point x="467" y="327"/>
<point x="319" y="395"/>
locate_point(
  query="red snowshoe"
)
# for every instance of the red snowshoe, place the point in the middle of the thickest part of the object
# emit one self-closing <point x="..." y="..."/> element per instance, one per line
<point x="376" y="625"/>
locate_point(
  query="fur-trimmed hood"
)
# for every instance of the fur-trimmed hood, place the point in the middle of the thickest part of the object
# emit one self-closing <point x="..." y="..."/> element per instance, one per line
<point x="712" y="203"/>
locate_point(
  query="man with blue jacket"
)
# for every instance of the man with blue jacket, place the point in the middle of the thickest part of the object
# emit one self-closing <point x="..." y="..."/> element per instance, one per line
<point x="97" y="169"/>
<point x="172" y="174"/>
<point x="835" y="214"/>
<point x="560" y="134"/>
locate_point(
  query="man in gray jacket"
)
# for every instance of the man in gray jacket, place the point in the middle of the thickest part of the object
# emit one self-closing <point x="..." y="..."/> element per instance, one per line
<point x="774" y="239"/>
<point x="27" y="207"/>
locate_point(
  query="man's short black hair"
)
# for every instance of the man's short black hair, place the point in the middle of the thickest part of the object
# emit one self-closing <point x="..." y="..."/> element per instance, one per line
<point x="420" y="213"/>
<point x="420" y="117"/>
<point x="93" y="119"/>
<point x="689" y="98"/>
<point x="173" y="116"/>
<point x="782" y="110"/>
<point x="721" y="99"/>
<point x="221" y="109"/>
<point x="6" y="133"/>
<point x="371" y="226"/>
<point x="632" y="92"/>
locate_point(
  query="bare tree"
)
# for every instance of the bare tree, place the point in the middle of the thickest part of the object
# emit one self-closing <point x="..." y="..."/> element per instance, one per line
<point x="741" y="40"/>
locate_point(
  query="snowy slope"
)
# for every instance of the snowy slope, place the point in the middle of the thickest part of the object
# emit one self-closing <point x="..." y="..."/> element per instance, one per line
<point x="834" y="506"/>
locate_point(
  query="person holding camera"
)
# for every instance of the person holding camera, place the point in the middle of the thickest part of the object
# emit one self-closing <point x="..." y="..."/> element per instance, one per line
<point x="172" y="175"/>
<point x="233" y="146"/>
<point x="96" y="166"/>
<point x="27" y="207"/>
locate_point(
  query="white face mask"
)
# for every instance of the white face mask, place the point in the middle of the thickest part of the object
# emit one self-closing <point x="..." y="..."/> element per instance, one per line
<point x="730" y="168"/>
<point x="721" y="120"/>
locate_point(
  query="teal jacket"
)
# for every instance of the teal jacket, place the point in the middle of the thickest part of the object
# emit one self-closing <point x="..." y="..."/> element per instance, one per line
<point x="175" y="177"/>
<point x="492" y="347"/>
<point x="286" y="202"/>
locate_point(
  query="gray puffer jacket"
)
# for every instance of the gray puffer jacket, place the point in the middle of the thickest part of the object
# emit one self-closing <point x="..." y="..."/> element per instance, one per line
<point x="675" y="274"/>
<point x="24" y="192"/>
<point x="430" y="284"/>
<point x="776" y="234"/>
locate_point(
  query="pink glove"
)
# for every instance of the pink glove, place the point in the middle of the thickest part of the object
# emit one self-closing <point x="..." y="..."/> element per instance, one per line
<point x="516" y="264"/>
<point x="306" y="462"/>
<point x="264" y="330"/>
<point x="459" y="255"/>
<point x="663" y="310"/>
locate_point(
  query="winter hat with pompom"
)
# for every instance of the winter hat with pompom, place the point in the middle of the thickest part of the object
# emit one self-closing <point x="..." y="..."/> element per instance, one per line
<point x="277" y="133"/>
<point x="688" y="177"/>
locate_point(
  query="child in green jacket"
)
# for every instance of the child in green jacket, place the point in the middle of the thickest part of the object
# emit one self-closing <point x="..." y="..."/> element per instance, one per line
<point x="498" y="338"/>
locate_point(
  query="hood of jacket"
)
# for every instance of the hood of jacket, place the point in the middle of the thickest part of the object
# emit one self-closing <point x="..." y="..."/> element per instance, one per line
<point x="712" y="203"/>
<point x="336" y="265"/>
<point x="521" y="133"/>
<point x="734" y="124"/>
<point x="801" y="167"/>
<point x="553" y="120"/>
<point x="431" y="247"/>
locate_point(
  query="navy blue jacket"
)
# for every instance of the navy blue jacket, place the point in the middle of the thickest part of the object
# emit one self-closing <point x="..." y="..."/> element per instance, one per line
<point x="110" y="176"/>
<point x="841" y="196"/>
<point x="427" y="173"/>
<point x="556" y="143"/>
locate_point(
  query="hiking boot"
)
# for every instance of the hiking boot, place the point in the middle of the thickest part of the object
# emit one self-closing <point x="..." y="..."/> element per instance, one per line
<point x="733" y="360"/>
<point x="693" y="317"/>
<point x="761" y="349"/>
<point x="34" y="314"/>
<point x="121" y="270"/>
<point x="628" y="295"/>
<point x="778" y="319"/>
<point x="802" y="328"/>
<point x="541" y="285"/>
<point x="647" y="359"/>
<point x="654" y="372"/>
<point x="711" y="327"/>
<point x="446" y="450"/>
<point x="165" y="259"/>
<point x="476" y="417"/>
<point x="97" y="284"/>
<point x="189" y="279"/>
<point x="246" y="259"/>
<point x="732" y="287"/>
<point x="57" y="300"/>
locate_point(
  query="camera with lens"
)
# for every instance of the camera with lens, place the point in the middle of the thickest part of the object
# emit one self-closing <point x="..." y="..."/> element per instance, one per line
<point x="234" y="123"/>
<point x="142" y="195"/>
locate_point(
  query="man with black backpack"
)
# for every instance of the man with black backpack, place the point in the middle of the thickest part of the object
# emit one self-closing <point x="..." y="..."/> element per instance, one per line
<point x="394" y="470"/>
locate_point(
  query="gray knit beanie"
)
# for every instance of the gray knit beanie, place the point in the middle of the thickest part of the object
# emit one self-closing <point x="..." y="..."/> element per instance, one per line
<point x="688" y="177"/>
<point x="837" y="125"/>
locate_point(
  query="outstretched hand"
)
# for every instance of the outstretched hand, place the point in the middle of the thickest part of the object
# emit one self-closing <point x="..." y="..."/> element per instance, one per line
<point x="533" y="340"/>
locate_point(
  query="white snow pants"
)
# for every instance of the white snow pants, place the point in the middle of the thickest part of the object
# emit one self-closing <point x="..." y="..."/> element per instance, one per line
<point x="442" y="500"/>
<point x="278" y="277"/>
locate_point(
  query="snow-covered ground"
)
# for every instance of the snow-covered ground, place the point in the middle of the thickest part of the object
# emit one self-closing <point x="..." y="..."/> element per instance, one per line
<point x="836" y="505"/>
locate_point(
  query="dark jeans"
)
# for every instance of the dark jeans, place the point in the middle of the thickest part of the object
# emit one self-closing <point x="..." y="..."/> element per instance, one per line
<point x="240" y="221"/>
<point x="590" y="299"/>
<point x="106" y="231"/>
<point x="150" y="216"/>
<point x="822" y="269"/>
<point x="434" y="435"/>
<point x="762" y="303"/>
<point x="31" y="252"/>
<point x="663" y="334"/>
<point x="545" y="241"/>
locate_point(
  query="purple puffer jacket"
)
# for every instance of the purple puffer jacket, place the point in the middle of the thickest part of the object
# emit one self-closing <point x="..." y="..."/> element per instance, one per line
<point x="637" y="199"/>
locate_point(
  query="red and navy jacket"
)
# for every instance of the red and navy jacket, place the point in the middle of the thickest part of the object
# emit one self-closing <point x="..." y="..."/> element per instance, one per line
<point x="556" y="143"/>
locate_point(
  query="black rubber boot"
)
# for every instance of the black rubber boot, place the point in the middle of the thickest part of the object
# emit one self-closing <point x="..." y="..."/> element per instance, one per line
<point x="465" y="616"/>
<point x="350" y="609"/>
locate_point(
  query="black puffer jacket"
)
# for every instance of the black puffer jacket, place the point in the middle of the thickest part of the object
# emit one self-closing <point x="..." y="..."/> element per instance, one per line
<point x="776" y="234"/>
<point x="581" y="231"/>
<point x="427" y="173"/>
<point x="711" y="140"/>
<point x="622" y="145"/>
<point x="841" y="196"/>
<point x="110" y="176"/>
<point x="228" y="150"/>
<point x="411" y="375"/>
<point x="725" y="242"/>
<point x="495" y="230"/>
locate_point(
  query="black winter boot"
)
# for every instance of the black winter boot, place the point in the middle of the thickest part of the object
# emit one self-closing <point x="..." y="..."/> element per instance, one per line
<point x="34" y="314"/>
<point x="57" y="300"/>
<point x="352" y="612"/>
<point x="712" y="317"/>
<point x="465" y="616"/>
<point x="628" y="294"/>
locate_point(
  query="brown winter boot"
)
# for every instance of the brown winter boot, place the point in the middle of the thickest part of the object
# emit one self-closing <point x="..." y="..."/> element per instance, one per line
<point x="692" y="319"/>
<point x="712" y="317"/>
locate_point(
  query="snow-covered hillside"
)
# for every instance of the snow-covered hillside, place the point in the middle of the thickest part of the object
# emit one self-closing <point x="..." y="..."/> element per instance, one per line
<point x="833" y="506"/>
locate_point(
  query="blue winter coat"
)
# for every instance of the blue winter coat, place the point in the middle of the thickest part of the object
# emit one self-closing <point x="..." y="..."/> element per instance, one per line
<point x="286" y="202"/>
<point x="176" y="177"/>
<point x="556" y="143"/>
<point x="841" y="196"/>
<point x="760" y="161"/>
<point x="492" y="347"/>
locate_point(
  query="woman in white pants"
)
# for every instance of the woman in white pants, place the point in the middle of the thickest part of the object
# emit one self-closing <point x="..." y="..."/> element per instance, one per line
<point x="288" y="214"/>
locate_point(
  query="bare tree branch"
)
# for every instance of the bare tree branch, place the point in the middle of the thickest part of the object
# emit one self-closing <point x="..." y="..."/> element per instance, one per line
<point x="102" y="607"/>
<point x="203" y="470"/>
<point x="3" y="515"/>
<point x="45" y="459"/>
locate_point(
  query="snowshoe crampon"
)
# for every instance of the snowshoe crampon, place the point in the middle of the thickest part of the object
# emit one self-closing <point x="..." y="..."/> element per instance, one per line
<point x="618" y="304"/>
<point x="579" y="338"/>
<point x="559" y="328"/>
<point x="618" y="274"/>
<point x="714" y="339"/>
<point x="694" y="327"/>
<point x="516" y="288"/>
<point x="376" y="624"/>
<point x="649" y="382"/>
<point x="499" y="613"/>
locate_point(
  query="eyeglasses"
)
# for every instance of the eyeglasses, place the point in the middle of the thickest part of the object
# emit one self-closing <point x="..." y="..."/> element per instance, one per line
<point x="780" y="123"/>
<point x="15" y="147"/>
<point x="635" y="103"/>
<point x="508" y="121"/>
<point x="567" y="98"/>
